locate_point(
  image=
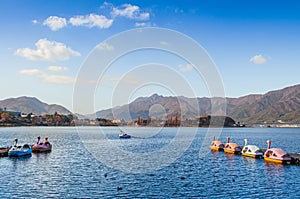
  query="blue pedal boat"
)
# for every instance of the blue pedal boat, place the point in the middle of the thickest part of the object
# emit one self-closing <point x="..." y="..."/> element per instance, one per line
<point x="19" y="150"/>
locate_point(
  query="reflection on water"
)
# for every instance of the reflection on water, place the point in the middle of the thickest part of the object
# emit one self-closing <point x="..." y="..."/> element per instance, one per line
<point x="251" y="163"/>
<point x="274" y="170"/>
<point x="275" y="175"/>
<point x="19" y="162"/>
<point x="230" y="156"/>
<point x="72" y="171"/>
<point x="42" y="156"/>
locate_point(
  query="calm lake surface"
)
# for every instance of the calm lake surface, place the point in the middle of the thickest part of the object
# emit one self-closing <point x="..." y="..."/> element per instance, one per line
<point x="74" y="168"/>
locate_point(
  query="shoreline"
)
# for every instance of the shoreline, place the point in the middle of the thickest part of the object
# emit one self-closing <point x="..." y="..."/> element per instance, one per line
<point x="249" y="127"/>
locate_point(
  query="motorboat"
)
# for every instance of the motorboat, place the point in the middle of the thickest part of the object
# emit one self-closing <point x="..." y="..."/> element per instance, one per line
<point x="44" y="146"/>
<point x="19" y="150"/>
<point x="232" y="147"/>
<point x="124" y="135"/>
<point x="276" y="155"/>
<point x="251" y="151"/>
<point x="216" y="145"/>
<point x="4" y="151"/>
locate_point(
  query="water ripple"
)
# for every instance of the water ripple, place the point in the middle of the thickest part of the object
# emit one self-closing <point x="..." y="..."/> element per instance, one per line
<point x="72" y="171"/>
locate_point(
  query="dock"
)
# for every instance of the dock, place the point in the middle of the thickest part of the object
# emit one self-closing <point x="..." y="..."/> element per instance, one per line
<point x="295" y="158"/>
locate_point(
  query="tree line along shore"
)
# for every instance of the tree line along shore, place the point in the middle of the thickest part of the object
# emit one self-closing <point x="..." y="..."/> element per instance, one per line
<point x="10" y="119"/>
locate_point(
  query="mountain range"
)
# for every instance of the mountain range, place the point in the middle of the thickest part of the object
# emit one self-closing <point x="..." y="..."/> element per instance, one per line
<point x="32" y="105"/>
<point x="280" y="105"/>
<point x="275" y="106"/>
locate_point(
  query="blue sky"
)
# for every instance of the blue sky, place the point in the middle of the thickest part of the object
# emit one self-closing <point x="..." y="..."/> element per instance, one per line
<point x="43" y="45"/>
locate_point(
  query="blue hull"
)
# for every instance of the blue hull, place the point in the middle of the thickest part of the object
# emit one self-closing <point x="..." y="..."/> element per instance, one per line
<point x="19" y="153"/>
<point x="125" y="136"/>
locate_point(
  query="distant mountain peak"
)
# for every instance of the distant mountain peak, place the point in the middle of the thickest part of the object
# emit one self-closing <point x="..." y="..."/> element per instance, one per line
<point x="156" y="97"/>
<point x="27" y="104"/>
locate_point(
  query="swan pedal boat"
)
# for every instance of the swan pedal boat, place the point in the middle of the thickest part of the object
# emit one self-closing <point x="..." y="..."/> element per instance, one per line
<point x="251" y="151"/>
<point x="20" y="150"/>
<point x="42" y="147"/>
<point x="45" y="146"/>
<point x="231" y="147"/>
<point x="216" y="146"/>
<point x="276" y="155"/>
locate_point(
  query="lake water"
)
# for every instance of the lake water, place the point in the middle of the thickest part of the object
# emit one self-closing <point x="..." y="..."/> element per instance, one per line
<point x="81" y="165"/>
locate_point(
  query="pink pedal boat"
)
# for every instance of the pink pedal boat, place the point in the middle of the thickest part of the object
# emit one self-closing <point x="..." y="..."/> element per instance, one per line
<point x="44" y="146"/>
<point x="276" y="155"/>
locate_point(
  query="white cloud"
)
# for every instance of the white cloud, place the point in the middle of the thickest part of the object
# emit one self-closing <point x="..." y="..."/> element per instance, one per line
<point x="130" y="11"/>
<point x="187" y="67"/>
<point x="91" y="20"/>
<point x="94" y="20"/>
<point x="105" y="46"/>
<point x="106" y="4"/>
<point x="57" y="68"/>
<point x="56" y="79"/>
<point x="55" y="23"/>
<point x="34" y="21"/>
<point x="33" y="72"/>
<point x="47" y="50"/>
<point x="144" y="24"/>
<point x="59" y="79"/>
<point x="258" y="59"/>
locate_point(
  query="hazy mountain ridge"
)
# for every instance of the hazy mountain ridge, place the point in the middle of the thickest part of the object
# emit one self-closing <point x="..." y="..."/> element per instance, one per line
<point x="32" y="105"/>
<point x="283" y="104"/>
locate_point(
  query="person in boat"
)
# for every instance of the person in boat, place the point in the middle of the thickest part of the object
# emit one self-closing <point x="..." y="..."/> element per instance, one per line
<point x="46" y="142"/>
<point x="38" y="140"/>
<point x="15" y="142"/>
<point x="122" y="133"/>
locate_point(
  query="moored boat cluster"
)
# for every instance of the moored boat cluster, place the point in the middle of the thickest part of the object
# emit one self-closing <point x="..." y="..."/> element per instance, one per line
<point x="18" y="150"/>
<point x="276" y="155"/>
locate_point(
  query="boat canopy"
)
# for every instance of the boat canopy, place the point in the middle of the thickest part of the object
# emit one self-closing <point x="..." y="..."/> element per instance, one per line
<point x="252" y="148"/>
<point x="216" y="143"/>
<point x="278" y="151"/>
<point x="232" y="145"/>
